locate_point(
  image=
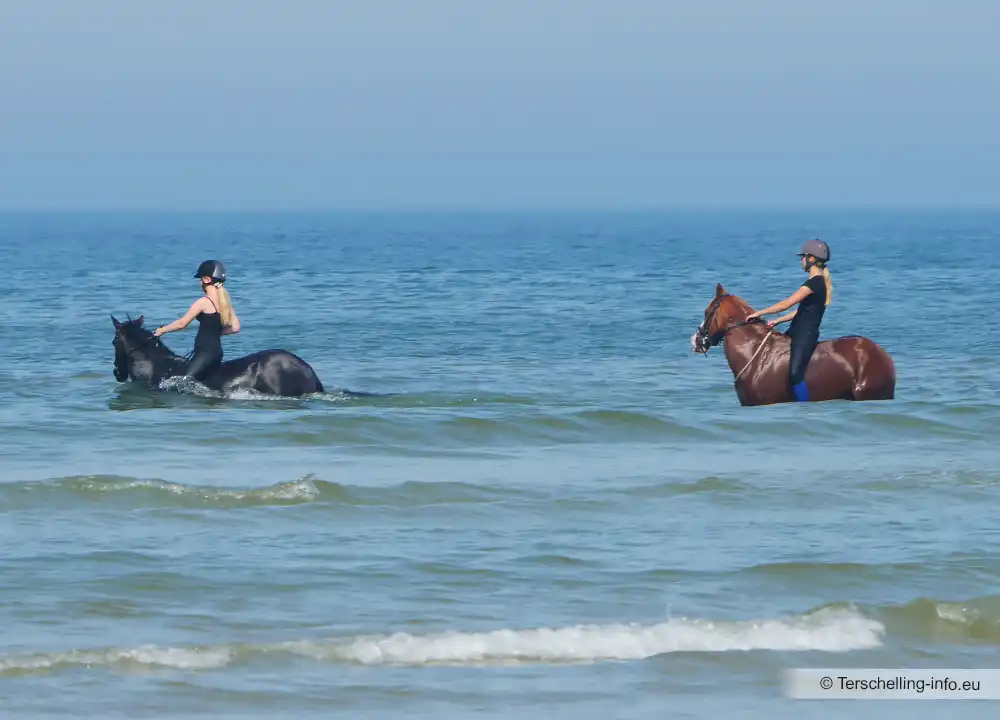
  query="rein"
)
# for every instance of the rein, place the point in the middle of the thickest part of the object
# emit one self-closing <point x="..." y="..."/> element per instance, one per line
<point x="720" y="334"/>
<point x="717" y="337"/>
<point x="151" y="339"/>
<point x="759" y="348"/>
<point x="141" y="345"/>
<point x="126" y="355"/>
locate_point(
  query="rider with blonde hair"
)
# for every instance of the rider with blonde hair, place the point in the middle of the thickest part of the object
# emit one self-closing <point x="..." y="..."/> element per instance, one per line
<point x="812" y="299"/>
<point x="216" y="317"/>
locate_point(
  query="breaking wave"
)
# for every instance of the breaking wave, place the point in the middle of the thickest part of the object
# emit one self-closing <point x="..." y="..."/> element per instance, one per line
<point x="826" y="629"/>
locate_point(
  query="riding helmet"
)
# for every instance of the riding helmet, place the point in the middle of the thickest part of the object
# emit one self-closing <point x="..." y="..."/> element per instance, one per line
<point x="213" y="269"/>
<point x="817" y="248"/>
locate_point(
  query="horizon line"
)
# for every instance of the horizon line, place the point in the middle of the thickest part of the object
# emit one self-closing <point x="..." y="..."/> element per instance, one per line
<point x="505" y="208"/>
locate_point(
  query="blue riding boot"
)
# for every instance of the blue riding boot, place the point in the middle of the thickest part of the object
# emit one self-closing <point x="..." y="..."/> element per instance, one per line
<point x="801" y="392"/>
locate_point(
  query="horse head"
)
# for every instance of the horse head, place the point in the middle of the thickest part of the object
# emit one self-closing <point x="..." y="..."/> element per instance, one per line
<point x="723" y="313"/>
<point x="130" y="337"/>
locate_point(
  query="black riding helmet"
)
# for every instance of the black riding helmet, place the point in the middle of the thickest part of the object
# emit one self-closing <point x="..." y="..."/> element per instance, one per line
<point x="213" y="269"/>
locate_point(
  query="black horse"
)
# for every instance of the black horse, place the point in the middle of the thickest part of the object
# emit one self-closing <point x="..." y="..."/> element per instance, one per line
<point x="142" y="357"/>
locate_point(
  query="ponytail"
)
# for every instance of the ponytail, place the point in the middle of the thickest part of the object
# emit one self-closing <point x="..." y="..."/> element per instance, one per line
<point x="226" y="307"/>
<point x="829" y="285"/>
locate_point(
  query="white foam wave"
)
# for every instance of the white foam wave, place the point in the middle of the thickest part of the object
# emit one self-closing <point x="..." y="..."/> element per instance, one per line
<point x="826" y="630"/>
<point x="302" y="489"/>
<point x="187" y="385"/>
<point x="146" y="655"/>
<point x="958" y="613"/>
<point x="193" y="387"/>
<point x="830" y="630"/>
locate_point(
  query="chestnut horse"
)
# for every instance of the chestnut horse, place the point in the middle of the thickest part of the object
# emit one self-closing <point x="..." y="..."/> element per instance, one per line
<point x="844" y="368"/>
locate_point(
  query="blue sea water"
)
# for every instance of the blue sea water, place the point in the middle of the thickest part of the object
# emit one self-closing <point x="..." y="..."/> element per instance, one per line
<point x="551" y="506"/>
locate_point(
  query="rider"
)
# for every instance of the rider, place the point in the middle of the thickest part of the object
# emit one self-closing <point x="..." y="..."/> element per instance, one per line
<point x="812" y="299"/>
<point x="215" y="316"/>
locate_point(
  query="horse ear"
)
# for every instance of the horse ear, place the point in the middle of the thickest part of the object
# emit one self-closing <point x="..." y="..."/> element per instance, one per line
<point x="115" y="321"/>
<point x="719" y="290"/>
<point x="138" y="320"/>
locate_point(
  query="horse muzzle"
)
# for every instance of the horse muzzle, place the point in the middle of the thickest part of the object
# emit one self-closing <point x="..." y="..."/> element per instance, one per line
<point x="699" y="341"/>
<point x="120" y="375"/>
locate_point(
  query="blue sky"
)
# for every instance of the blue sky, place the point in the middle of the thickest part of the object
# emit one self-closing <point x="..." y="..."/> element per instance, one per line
<point x="310" y="103"/>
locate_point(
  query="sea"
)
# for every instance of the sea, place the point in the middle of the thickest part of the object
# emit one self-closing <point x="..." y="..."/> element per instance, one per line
<point x="546" y="505"/>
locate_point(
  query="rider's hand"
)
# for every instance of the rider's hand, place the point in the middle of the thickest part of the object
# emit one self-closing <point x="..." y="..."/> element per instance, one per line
<point x="158" y="332"/>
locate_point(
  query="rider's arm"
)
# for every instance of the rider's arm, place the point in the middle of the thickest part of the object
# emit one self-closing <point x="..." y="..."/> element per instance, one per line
<point x="234" y="326"/>
<point x="794" y="299"/>
<point x="785" y="318"/>
<point x="183" y="322"/>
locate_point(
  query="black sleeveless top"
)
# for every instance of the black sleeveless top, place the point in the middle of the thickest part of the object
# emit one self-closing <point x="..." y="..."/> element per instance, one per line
<point x="810" y="311"/>
<point x="209" y="337"/>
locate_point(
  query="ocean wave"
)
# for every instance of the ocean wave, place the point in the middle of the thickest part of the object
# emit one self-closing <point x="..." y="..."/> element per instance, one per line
<point x="134" y="492"/>
<point x="143" y="396"/>
<point x="825" y="629"/>
<point x="671" y="488"/>
<point x="425" y="428"/>
<point x="973" y="620"/>
<point x="834" y="573"/>
<point x="139" y="492"/>
<point x="480" y="419"/>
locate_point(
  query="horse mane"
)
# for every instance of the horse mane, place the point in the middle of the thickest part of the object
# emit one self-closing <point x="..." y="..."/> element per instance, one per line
<point x="746" y="308"/>
<point x="740" y="303"/>
<point x="137" y="333"/>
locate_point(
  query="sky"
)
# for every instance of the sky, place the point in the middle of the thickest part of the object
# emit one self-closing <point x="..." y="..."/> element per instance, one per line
<point x="226" y="104"/>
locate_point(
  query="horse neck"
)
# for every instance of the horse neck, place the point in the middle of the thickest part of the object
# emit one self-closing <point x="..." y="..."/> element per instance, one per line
<point x="156" y="353"/>
<point x="741" y="344"/>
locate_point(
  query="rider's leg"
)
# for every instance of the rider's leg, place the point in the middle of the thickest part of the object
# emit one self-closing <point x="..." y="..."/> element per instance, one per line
<point x="202" y="365"/>
<point x="803" y="345"/>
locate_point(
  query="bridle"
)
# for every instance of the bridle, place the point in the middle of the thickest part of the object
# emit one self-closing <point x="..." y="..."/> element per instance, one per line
<point x="140" y="346"/>
<point x="708" y="341"/>
<point x="119" y="335"/>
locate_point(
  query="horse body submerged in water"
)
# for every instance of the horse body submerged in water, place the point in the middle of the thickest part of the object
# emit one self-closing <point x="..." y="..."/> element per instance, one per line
<point x="843" y="368"/>
<point x="143" y="358"/>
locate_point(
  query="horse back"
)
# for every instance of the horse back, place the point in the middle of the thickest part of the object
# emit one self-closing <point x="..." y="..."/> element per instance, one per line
<point x="854" y="364"/>
<point x="843" y="367"/>
<point x="272" y="372"/>
<point x="858" y="348"/>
